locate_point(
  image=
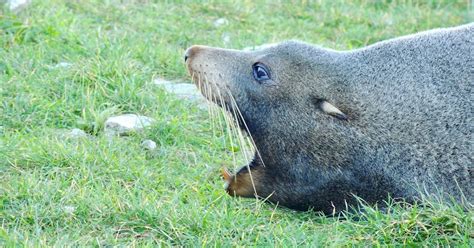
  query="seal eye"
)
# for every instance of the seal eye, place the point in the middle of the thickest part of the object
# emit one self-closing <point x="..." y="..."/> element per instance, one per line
<point x="260" y="72"/>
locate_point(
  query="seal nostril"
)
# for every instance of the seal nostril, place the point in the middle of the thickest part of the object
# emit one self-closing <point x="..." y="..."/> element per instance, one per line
<point x="185" y="57"/>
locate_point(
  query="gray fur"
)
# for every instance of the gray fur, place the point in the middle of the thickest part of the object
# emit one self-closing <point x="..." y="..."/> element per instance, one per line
<point x="409" y="105"/>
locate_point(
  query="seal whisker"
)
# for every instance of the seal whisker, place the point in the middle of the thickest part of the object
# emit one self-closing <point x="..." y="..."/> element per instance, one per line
<point x="234" y="127"/>
<point x="232" y="130"/>
<point x="203" y="88"/>
<point x="241" y="139"/>
<point x="226" y="118"/>
<point x="231" y="126"/>
<point x="211" y="109"/>
<point x="214" y="110"/>
<point x="246" y="127"/>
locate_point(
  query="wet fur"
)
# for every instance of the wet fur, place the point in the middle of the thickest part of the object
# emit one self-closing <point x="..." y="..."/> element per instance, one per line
<point x="409" y="109"/>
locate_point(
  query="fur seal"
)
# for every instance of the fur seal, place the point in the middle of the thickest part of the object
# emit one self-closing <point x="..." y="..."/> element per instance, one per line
<point x="391" y="119"/>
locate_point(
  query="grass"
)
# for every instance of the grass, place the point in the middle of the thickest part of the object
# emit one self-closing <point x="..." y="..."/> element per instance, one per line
<point x="102" y="191"/>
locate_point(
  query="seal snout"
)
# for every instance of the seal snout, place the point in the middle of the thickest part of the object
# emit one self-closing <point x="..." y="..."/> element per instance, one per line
<point x="190" y="52"/>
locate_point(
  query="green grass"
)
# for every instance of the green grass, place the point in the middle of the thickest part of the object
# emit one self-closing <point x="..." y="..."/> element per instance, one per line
<point x="101" y="191"/>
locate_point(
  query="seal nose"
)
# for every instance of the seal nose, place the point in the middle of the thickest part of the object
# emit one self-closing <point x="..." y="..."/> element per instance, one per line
<point x="190" y="52"/>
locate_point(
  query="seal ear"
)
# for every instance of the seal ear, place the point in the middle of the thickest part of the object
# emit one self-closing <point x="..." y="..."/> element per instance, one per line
<point x="330" y="109"/>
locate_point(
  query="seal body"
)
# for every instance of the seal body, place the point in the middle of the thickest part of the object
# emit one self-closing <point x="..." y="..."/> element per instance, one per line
<point x="407" y="126"/>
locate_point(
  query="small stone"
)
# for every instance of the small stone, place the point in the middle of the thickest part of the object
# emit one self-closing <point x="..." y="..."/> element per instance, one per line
<point x="69" y="209"/>
<point x="184" y="91"/>
<point x="124" y="124"/>
<point x="149" y="144"/>
<point x="76" y="133"/>
<point x="14" y="5"/>
<point x="62" y="65"/>
<point x="389" y="21"/>
<point x="226" y="38"/>
<point x="161" y="81"/>
<point x="220" y="22"/>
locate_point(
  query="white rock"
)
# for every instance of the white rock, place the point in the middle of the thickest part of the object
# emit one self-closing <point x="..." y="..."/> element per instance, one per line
<point x="127" y="123"/>
<point x="183" y="91"/>
<point x="17" y="4"/>
<point x="221" y="21"/>
<point x="149" y="144"/>
<point x="62" y="65"/>
<point x="161" y="81"/>
<point x="76" y="133"/>
<point x="226" y="38"/>
<point x="69" y="209"/>
<point x="389" y="21"/>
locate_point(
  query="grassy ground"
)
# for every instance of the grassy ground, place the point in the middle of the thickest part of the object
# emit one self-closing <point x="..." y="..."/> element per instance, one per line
<point x="109" y="191"/>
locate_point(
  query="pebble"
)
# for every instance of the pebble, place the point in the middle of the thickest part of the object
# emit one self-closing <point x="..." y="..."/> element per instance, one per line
<point x="14" y="5"/>
<point x="149" y="144"/>
<point x="220" y="22"/>
<point x="184" y="91"/>
<point x="76" y="133"/>
<point x="124" y="124"/>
